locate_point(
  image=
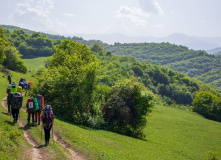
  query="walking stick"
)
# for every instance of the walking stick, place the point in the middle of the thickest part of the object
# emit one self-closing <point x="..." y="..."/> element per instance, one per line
<point x="52" y="135"/>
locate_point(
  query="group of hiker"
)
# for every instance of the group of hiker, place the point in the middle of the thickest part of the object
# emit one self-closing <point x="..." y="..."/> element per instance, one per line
<point x="34" y="107"/>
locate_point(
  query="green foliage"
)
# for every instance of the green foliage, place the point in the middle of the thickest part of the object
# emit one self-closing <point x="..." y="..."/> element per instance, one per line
<point x="9" y="56"/>
<point x="3" y="44"/>
<point x="13" y="60"/>
<point x="126" y="109"/>
<point x="208" y="105"/>
<point x="71" y="77"/>
<point x="137" y="70"/>
<point x="197" y="64"/>
<point x="97" y="48"/>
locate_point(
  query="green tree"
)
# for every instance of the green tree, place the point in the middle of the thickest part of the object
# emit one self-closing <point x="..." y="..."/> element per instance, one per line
<point x="70" y="76"/>
<point x="13" y="60"/>
<point x="208" y="105"/>
<point x="97" y="48"/>
<point x="126" y="109"/>
<point x="3" y="44"/>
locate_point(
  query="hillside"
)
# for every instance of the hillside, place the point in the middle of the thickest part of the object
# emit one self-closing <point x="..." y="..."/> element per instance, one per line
<point x="171" y="134"/>
<point x="197" y="64"/>
<point x="102" y="100"/>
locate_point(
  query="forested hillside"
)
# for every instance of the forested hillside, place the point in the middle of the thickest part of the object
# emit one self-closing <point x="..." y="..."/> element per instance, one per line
<point x="197" y="64"/>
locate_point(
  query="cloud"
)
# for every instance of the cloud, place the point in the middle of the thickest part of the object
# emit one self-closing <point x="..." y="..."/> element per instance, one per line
<point x="68" y="15"/>
<point x="134" y="16"/>
<point x="34" y="14"/>
<point x="159" y="26"/>
<point x="151" y="6"/>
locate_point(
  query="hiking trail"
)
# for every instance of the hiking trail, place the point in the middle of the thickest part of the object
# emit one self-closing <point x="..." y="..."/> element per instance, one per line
<point x="41" y="153"/>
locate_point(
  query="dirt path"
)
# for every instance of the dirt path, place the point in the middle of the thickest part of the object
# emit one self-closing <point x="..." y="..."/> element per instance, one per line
<point x="38" y="152"/>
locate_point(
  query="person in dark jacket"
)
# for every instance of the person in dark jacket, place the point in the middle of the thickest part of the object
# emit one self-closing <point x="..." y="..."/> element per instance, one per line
<point x="9" y="79"/>
<point x="9" y="101"/>
<point x="47" y="122"/>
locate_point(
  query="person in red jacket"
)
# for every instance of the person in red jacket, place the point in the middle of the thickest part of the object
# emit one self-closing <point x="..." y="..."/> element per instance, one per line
<point x="31" y="110"/>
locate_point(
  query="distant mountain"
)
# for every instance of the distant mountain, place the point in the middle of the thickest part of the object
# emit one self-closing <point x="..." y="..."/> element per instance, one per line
<point x="214" y="51"/>
<point x="192" y="42"/>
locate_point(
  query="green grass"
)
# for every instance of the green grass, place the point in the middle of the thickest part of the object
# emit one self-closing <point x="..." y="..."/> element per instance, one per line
<point x="171" y="134"/>
<point x="35" y="63"/>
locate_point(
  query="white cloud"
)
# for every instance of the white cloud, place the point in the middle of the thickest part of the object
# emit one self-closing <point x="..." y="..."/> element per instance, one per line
<point x="151" y="6"/>
<point x="134" y="16"/>
<point x="68" y="15"/>
<point x="159" y="26"/>
<point x="34" y="14"/>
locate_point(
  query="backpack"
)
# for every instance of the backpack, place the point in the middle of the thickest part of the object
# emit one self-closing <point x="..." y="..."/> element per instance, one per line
<point x="10" y="96"/>
<point x="9" y="89"/>
<point x="40" y="101"/>
<point x="47" y="116"/>
<point x="17" y="100"/>
<point x="30" y="105"/>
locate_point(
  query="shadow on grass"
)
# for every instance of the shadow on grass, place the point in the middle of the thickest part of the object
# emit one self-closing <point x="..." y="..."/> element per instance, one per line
<point x="27" y="127"/>
<point x="6" y="113"/>
<point x="41" y="146"/>
<point x="10" y="123"/>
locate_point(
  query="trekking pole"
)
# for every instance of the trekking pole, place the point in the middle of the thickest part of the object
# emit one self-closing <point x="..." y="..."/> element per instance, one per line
<point x="52" y="135"/>
<point x="41" y="133"/>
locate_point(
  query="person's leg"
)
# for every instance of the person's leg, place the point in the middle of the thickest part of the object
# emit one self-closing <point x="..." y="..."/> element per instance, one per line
<point x="17" y="112"/>
<point x="47" y="133"/>
<point x="36" y="117"/>
<point x="9" y="104"/>
<point x="13" y="114"/>
<point x="33" y="117"/>
<point x="39" y="117"/>
<point x="49" y="129"/>
<point x="29" y="117"/>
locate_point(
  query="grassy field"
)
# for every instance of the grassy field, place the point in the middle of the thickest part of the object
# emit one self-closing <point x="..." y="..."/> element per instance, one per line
<point x="35" y="63"/>
<point x="170" y="134"/>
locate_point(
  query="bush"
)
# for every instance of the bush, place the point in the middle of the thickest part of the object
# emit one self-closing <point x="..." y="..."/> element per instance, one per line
<point x="126" y="109"/>
<point x="208" y="105"/>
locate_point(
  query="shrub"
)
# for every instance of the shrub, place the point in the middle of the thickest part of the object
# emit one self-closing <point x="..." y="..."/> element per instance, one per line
<point x="208" y="105"/>
<point x="126" y="109"/>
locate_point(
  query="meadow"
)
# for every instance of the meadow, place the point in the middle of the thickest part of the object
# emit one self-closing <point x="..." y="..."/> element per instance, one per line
<point x="171" y="133"/>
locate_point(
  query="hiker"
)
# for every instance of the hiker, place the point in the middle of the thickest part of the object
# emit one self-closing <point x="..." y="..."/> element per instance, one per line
<point x="13" y="88"/>
<point x="9" y="79"/>
<point x="31" y="110"/>
<point x="40" y="101"/>
<point x="9" y="101"/>
<point x="48" y="120"/>
<point x="16" y="105"/>
<point x="8" y="90"/>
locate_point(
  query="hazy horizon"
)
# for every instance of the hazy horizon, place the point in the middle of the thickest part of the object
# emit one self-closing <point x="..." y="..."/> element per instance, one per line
<point x="148" y="18"/>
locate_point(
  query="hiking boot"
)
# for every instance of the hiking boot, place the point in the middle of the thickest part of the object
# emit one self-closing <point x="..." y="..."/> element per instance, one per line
<point x="33" y="124"/>
<point x="39" y="122"/>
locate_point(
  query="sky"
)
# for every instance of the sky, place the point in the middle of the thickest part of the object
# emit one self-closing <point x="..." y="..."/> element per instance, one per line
<point x="156" y="18"/>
